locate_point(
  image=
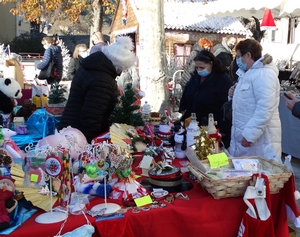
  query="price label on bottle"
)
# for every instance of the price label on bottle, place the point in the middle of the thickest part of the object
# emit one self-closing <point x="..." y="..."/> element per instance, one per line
<point x="218" y="160"/>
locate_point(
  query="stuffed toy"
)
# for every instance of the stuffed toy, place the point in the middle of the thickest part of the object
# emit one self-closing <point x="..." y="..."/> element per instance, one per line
<point x="26" y="110"/>
<point x="7" y="203"/>
<point x="9" y="145"/>
<point x="10" y="90"/>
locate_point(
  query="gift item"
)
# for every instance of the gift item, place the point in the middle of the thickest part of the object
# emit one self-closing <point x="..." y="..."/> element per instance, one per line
<point x="165" y="175"/>
<point x="146" y="110"/>
<point x="192" y="131"/>
<point x="22" y="129"/>
<point x="18" y="121"/>
<point x="155" y="118"/>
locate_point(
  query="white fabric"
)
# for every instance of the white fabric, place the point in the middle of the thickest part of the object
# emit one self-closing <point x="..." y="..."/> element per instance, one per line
<point x="255" y="113"/>
<point x="260" y="202"/>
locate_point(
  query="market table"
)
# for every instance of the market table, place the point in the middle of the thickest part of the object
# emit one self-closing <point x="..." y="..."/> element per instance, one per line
<point x="201" y="215"/>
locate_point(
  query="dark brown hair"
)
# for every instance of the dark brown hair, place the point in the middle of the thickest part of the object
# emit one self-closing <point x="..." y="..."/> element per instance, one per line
<point x="207" y="57"/>
<point x="252" y="46"/>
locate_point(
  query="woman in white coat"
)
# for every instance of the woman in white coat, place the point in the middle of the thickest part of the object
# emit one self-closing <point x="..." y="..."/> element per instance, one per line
<point x="256" y="127"/>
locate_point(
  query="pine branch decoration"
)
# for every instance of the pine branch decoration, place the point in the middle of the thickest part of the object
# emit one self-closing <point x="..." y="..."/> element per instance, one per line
<point x="125" y="111"/>
<point x="56" y="95"/>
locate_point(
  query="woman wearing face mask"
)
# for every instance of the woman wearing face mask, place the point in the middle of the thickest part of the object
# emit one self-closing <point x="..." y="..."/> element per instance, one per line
<point x="52" y="52"/>
<point x="207" y="91"/>
<point x="256" y="128"/>
<point x="80" y="52"/>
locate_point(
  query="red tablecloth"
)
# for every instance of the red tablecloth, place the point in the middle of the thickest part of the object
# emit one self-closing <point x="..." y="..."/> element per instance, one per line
<point x="200" y="216"/>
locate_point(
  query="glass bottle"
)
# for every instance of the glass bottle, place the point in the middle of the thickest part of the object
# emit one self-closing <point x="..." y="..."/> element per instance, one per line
<point x="192" y="131"/>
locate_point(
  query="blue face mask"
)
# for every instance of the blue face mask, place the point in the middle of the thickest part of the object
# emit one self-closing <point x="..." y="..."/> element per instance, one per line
<point x="240" y="64"/>
<point x="203" y="73"/>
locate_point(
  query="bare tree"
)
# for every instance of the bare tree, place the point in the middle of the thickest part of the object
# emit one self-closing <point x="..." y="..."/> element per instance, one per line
<point x="152" y="61"/>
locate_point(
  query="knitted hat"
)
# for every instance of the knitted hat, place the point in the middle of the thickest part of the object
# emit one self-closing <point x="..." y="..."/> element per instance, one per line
<point x="120" y="53"/>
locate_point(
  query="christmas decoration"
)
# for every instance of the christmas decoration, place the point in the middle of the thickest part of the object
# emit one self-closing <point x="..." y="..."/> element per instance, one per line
<point x="127" y="113"/>
<point x="204" y="144"/>
<point x="56" y="100"/>
<point x="66" y="58"/>
<point x="56" y="94"/>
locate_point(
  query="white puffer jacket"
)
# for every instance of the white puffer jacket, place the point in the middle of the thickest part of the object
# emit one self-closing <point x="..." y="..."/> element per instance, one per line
<point x="255" y="113"/>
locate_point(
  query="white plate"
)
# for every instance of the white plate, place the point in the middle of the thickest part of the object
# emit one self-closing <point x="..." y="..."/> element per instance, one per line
<point x="111" y="208"/>
<point x="160" y="194"/>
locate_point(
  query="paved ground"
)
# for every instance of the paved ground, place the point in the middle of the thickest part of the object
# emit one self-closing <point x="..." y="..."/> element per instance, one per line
<point x="296" y="168"/>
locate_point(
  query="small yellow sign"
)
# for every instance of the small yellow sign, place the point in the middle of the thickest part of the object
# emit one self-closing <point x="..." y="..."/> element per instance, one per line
<point x="142" y="201"/>
<point x="34" y="177"/>
<point x="218" y="160"/>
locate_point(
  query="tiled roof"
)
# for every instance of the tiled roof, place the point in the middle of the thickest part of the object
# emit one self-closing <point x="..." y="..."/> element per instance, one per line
<point x="185" y="15"/>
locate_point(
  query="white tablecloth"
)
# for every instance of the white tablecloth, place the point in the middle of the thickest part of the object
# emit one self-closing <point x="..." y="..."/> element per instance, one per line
<point x="290" y="131"/>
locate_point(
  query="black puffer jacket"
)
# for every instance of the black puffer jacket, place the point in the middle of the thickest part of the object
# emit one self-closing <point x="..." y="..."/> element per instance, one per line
<point x="93" y="96"/>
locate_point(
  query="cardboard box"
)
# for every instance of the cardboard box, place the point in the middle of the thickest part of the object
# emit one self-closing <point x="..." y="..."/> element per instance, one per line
<point x="18" y="121"/>
<point x="13" y="69"/>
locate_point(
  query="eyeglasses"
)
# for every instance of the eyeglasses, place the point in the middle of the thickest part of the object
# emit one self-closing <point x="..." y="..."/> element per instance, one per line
<point x="237" y="57"/>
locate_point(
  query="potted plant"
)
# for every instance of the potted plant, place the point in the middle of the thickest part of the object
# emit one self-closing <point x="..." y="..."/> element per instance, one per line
<point x="56" y="100"/>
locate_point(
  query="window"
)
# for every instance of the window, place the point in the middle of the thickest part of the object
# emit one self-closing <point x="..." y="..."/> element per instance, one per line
<point x="182" y="52"/>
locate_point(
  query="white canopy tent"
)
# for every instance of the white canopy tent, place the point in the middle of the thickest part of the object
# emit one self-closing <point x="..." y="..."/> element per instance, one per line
<point x="237" y="8"/>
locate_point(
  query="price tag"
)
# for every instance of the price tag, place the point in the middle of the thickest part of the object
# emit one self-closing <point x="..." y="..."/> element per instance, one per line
<point x="142" y="201"/>
<point x="218" y="160"/>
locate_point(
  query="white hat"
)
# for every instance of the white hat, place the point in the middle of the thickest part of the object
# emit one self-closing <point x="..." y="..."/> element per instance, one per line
<point x="120" y="53"/>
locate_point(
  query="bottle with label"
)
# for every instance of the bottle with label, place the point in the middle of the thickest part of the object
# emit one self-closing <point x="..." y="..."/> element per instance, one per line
<point x="192" y="131"/>
<point x="213" y="132"/>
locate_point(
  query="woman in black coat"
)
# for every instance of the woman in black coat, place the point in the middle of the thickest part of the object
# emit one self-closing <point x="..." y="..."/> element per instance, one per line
<point x="80" y="52"/>
<point x="207" y="91"/>
<point x="94" y="91"/>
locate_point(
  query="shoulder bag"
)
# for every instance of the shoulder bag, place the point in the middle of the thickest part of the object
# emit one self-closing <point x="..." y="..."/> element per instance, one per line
<point x="48" y="72"/>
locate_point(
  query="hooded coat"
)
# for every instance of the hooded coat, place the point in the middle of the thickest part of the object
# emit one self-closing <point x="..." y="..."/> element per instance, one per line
<point x="93" y="96"/>
<point x="255" y="114"/>
<point x="222" y="52"/>
<point x="53" y="53"/>
<point x="189" y="67"/>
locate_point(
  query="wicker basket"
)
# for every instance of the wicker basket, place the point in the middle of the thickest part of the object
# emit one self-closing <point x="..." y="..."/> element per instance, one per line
<point x="235" y="187"/>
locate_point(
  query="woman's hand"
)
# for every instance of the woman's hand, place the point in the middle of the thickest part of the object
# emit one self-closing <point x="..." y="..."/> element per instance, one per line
<point x="289" y="102"/>
<point x="231" y="90"/>
<point x="245" y="143"/>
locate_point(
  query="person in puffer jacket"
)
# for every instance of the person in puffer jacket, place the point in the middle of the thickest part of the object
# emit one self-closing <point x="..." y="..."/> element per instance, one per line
<point x="256" y="126"/>
<point x="52" y="52"/>
<point x="94" y="91"/>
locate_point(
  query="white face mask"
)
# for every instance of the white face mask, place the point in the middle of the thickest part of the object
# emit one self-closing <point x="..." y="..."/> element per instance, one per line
<point x="84" y="54"/>
<point x="46" y="46"/>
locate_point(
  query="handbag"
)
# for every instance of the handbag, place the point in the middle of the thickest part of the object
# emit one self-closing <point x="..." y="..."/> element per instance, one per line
<point x="48" y="72"/>
<point x="227" y="110"/>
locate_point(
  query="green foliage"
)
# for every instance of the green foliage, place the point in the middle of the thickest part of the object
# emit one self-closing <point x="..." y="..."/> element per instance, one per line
<point x="127" y="113"/>
<point x="56" y="94"/>
<point x="27" y="43"/>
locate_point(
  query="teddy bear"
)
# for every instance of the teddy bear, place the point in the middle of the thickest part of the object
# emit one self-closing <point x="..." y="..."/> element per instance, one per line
<point x="10" y="90"/>
<point x="7" y="203"/>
